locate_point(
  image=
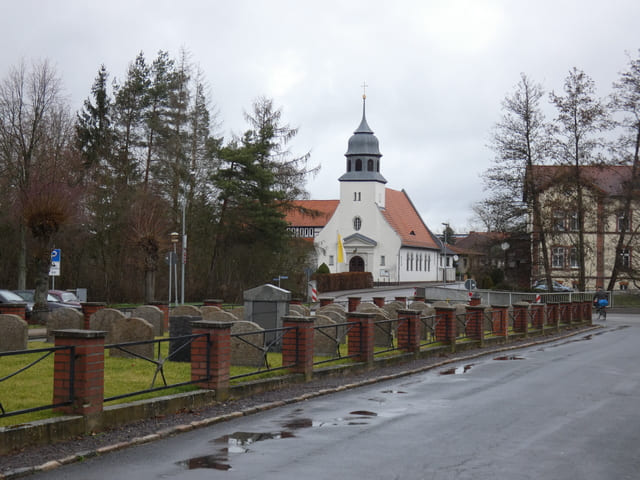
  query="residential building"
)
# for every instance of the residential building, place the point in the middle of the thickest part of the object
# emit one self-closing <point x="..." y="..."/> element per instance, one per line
<point x="604" y="220"/>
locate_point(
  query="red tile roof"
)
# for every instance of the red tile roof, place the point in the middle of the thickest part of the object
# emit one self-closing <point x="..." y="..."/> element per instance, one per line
<point x="400" y="213"/>
<point x="608" y="179"/>
<point x="311" y="213"/>
<point x="403" y="217"/>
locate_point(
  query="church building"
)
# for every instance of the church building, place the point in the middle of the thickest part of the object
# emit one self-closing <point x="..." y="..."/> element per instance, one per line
<point x="371" y="227"/>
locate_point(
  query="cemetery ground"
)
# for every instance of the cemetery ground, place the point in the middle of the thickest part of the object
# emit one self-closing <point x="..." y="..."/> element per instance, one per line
<point x="152" y="428"/>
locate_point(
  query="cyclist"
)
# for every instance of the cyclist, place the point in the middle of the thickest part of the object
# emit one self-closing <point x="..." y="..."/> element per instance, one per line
<point x="600" y="302"/>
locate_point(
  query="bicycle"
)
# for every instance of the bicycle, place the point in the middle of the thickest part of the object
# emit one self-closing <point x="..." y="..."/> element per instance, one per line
<point x="601" y="310"/>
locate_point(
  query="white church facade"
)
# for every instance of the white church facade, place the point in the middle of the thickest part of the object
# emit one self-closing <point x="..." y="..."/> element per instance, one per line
<point x="371" y="227"/>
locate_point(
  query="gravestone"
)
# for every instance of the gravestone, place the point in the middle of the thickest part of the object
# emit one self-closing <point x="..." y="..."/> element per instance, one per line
<point x="266" y="305"/>
<point x="392" y="308"/>
<point x="153" y="315"/>
<point x="325" y="339"/>
<point x="182" y="310"/>
<point x="63" y="319"/>
<point x="218" y="316"/>
<point x="237" y="312"/>
<point x="207" y="310"/>
<point x="132" y="330"/>
<point x="338" y="317"/>
<point x="15" y="333"/>
<point x="180" y="348"/>
<point x="247" y="350"/>
<point x="105" y="320"/>
<point x="299" y="310"/>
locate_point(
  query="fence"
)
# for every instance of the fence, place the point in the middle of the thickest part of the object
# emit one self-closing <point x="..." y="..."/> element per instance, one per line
<point x="79" y="371"/>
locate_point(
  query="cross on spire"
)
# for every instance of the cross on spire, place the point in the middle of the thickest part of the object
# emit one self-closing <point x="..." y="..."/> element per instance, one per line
<point x="364" y="89"/>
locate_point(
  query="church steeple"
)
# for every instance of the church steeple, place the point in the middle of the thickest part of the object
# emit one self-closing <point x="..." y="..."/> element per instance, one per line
<point x="363" y="154"/>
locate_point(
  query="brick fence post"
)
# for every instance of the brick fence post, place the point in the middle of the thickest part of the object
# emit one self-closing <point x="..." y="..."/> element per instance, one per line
<point x="446" y="330"/>
<point x="378" y="301"/>
<point x="576" y="311"/>
<point x="164" y="308"/>
<point x="537" y="316"/>
<point x="19" y="309"/>
<point x="521" y="318"/>
<point x="213" y="302"/>
<point x="475" y="299"/>
<point x="409" y="330"/>
<point x="587" y="311"/>
<point x="360" y="337"/>
<point x="552" y="315"/>
<point x="475" y="322"/>
<point x="402" y="300"/>
<point x="88" y="309"/>
<point x="564" y="312"/>
<point x="353" y="303"/>
<point x="211" y="356"/>
<point x="499" y="316"/>
<point x="297" y="345"/>
<point x="87" y="375"/>
<point x="325" y="301"/>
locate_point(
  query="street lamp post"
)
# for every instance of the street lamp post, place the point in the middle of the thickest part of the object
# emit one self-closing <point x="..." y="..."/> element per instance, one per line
<point x="184" y="252"/>
<point x="444" y="268"/>
<point x="175" y="236"/>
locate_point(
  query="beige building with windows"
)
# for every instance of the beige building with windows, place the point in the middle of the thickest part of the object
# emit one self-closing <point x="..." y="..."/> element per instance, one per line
<point x="605" y="222"/>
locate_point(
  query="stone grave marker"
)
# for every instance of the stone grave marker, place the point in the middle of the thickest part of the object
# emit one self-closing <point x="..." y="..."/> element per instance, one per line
<point x="63" y="319"/>
<point x="153" y="315"/>
<point x="15" y="333"/>
<point x="243" y="349"/>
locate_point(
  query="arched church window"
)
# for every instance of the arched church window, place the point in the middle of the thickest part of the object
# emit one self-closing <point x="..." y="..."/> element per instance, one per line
<point x="348" y="165"/>
<point x="358" y="165"/>
<point x="370" y="165"/>
<point x="377" y="165"/>
<point x="357" y="223"/>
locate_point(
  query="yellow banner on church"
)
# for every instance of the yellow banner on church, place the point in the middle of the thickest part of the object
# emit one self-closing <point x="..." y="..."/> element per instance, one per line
<point x="340" y="250"/>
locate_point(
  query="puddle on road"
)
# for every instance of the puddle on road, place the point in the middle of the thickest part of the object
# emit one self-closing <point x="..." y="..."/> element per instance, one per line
<point x="393" y="391"/>
<point x="509" y="357"/>
<point x="457" y="370"/>
<point x="235" y="443"/>
<point x="240" y="442"/>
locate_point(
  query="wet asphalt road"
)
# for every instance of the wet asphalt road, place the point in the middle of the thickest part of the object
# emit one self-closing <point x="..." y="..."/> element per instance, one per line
<point x="564" y="410"/>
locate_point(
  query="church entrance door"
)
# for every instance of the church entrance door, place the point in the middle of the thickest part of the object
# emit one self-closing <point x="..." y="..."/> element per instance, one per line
<point x="356" y="264"/>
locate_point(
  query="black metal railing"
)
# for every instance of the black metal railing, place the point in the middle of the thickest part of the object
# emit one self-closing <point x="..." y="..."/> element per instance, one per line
<point x="462" y="320"/>
<point x="159" y="360"/>
<point x="385" y="330"/>
<point x="46" y="352"/>
<point x="271" y="343"/>
<point x="339" y="338"/>
<point x="428" y="325"/>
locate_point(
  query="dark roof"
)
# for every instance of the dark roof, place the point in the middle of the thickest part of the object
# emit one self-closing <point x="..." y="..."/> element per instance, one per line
<point x="606" y="179"/>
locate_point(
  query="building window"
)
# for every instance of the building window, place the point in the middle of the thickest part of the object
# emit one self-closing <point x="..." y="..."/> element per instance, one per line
<point x="382" y="261"/>
<point x="330" y="259"/>
<point x="428" y="263"/>
<point x="558" y="221"/>
<point x="349" y="165"/>
<point x="625" y="260"/>
<point x="574" y="224"/>
<point x="357" y="196"/>
<point x="358" y="165"/>
<point x="622" y="222"/>
<point x="573" y="258"/>
<point x="357" y="223"/>
<point x="370" y="165"/>
<point x="557" y="257"/>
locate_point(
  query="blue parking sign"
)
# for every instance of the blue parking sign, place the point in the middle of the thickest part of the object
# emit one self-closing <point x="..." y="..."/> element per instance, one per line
<point x="54" y="269"/>
<point x="55" y="255"/>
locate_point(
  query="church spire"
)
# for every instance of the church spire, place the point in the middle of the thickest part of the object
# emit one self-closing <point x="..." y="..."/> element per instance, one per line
<point x="363" y="154"/>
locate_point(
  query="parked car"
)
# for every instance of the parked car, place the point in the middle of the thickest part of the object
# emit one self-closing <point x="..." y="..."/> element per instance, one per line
<point x="52" y="302"/>
<point x="541" y="285"/>
<point x="7" y="296"/>
<point x="63" y="296"/>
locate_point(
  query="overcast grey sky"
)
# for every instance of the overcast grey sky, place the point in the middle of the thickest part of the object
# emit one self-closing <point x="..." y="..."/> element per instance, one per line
<point x="436" y="71"/>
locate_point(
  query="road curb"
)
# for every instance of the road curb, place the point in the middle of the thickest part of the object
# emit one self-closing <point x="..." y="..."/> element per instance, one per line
<point x="206" y="422"/>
